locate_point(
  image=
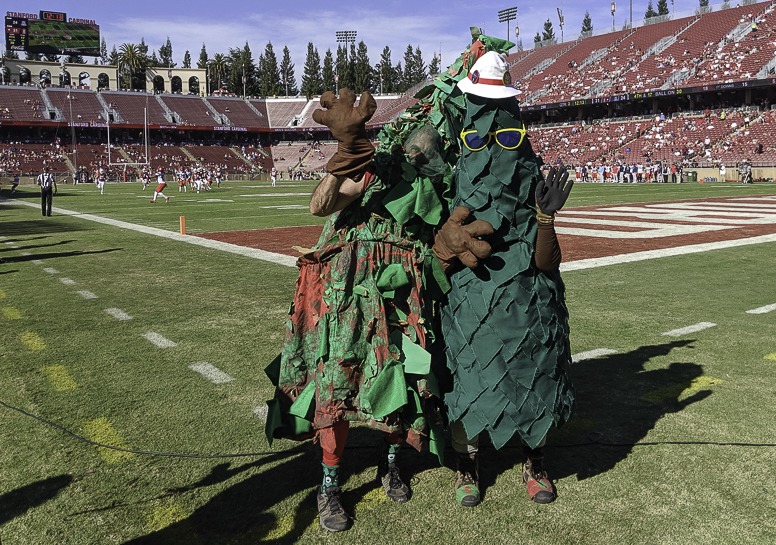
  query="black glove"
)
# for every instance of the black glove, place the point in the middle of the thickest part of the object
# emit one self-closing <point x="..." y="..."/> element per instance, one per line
<point x="551" y="194"/>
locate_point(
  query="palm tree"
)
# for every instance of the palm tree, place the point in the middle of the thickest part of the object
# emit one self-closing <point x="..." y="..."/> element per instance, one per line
<point x="219" y="66"/>
<point x="131" y="62"/>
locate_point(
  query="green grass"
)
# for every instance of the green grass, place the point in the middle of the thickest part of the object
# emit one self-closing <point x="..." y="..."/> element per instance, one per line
<point x="229" y="310"/>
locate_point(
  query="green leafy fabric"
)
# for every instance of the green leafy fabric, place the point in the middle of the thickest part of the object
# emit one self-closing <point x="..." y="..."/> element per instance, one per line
<point x="505" y="325"/>
<point x="358" y="331"/>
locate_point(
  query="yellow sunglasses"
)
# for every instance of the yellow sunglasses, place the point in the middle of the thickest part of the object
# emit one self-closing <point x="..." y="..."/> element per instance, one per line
<point x="506" y="138"/>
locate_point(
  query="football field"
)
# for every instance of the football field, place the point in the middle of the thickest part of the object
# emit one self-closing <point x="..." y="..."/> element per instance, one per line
<point x="126" y="333"/>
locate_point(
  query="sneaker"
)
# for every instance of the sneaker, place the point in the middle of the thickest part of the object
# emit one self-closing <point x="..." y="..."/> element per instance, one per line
<point x="167" y="199"/>
<point x="153" y="201"/>
<point x="331" y="513"/>
<point x="540" y="488"/>
<point x="467" y="480"/>
<point x="395" y="489"/>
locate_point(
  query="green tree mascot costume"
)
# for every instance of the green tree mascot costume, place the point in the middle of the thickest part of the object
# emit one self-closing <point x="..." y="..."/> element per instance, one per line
<point x="505" y="324"/>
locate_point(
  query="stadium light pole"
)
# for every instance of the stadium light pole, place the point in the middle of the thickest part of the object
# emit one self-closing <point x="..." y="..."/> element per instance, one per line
<point x="506" y="15"/>
<point x="346" y="37"/>
<point x="560" y="23"/>
<point x="613" y="10"/>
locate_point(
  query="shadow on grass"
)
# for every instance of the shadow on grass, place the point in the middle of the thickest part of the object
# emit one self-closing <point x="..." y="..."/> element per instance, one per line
<point x="619" y="401"/>
<point x="36" y="227"/>
<point x="243" y="513"/>
<point x="22" y="258"/>
<point x="17" y="502"/>
<point x="60" y="243"/>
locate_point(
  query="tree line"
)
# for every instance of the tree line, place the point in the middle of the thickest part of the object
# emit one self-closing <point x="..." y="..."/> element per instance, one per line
<point x="238" y="72"/>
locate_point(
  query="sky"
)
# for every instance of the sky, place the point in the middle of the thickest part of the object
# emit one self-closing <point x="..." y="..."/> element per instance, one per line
<point x="432" y="25"/>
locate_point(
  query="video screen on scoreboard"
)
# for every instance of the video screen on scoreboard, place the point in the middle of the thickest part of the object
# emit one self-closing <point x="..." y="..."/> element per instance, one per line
<point x="52" y="36"/>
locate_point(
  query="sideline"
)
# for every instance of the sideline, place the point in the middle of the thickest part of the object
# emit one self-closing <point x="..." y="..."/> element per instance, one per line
<point x="290" y="261"/>
<point x="254" y="253"/>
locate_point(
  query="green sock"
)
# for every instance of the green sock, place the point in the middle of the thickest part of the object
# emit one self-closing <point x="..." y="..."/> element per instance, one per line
<point x="330" y="477"/>
<point x="391" y="452"/>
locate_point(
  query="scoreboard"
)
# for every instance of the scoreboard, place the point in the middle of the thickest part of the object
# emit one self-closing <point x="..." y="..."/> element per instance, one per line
<point x="51" y="33"/>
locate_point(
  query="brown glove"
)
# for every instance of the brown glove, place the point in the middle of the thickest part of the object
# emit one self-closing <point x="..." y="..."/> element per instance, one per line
<point x="457" y="241"/>
<point x="347" y="125"/>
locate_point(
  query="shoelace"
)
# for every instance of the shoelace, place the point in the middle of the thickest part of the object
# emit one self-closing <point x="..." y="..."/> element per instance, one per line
<point x="393" y="474"/>
<point x="333" y="502"/>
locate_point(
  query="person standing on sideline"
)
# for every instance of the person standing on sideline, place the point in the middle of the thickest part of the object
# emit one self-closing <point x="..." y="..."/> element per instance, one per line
<point x="161" y="186"/>
<point x="14" y="184"/>
<point x="273" y="174"/>
<point x="48" y="184"/>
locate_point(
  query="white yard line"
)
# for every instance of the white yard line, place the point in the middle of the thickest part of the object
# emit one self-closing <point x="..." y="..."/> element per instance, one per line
<point x="37" y="262"/>
<point x="118" y="314"/>
<point x="210" y="372"/>
<point x="665" y="252"/>
<point x="689" y="329"/>
<point x="261" y="412"/>
<point x="86" y="294"/>
<point x="289" y="261"/>
<point x="159" y="341"/>
<point x="762" y="310"/>
<point x="67" y="281"/>
<point x="254" y="253"/>
<point x="51" y="271"/>
<point x="590" y="354"/>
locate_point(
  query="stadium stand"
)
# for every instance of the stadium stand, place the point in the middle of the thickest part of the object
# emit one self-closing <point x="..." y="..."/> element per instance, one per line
<point x="190" y="110"/>
<point x="628" y="54"/>
<point x="535" y="61"/>
<point x="561" y="78"/>
<point x="261" y="107"/>
<point x="284" y="112"/>
<point x="260" y="157"/>
<point x="77" y="106"/>
<point x="741" y="59"/>
<point x="239" y="113"/>
<point x="221" y="156"/>
<point x="317" y="157"/>
<point x="131" y="107"/>
<point x="167" y="157"/>
<point x="613" y="77"/>
<point x="694" y="44"/>
<point x="30" y="159"/>
<point x="22" y="103"/>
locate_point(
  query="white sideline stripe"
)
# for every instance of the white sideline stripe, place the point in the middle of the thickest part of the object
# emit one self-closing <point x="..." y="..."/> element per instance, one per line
<point x="689" y="329"/>
<point x="261" y="412"/>
<point x="86" y="294"/>
<point x="159" y="341"/>
<point x="67" y="281"/>
<point x="210" y="372"/>
<point x="590" y="354"/>
<point x="762" y="310"/>
<point x="665" y="252"/>
<point x="118" y="314"/>
<point x="289" y="261"/>
<point x="254" y="253"/>
<point x="51" y="271"/>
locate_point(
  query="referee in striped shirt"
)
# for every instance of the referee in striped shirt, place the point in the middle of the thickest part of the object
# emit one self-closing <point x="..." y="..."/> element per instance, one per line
<point x="48" y="187"/>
